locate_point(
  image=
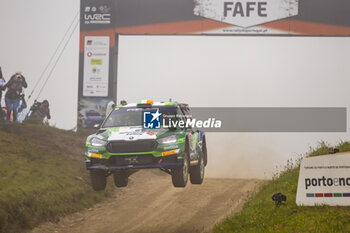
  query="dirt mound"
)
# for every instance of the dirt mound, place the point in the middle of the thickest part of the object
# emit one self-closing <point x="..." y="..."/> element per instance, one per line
<point x="42" y="176"/>
<point x="65" y="142"/>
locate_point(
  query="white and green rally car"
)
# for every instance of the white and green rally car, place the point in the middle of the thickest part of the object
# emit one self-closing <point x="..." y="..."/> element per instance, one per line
<point x="126" y="142"/>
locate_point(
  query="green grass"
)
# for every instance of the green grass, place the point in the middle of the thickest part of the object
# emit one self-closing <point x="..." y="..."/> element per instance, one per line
<point x="261" y="215"/>
<point x="42" y="176"/>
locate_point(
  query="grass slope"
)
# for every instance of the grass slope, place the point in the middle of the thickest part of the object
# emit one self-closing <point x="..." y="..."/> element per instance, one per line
<point x="261" y="215"/>
<point x="42" y="176"/>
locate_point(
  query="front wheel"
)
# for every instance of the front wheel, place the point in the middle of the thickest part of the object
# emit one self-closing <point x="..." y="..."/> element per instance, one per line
<point x="179" y="175"/>
<point x="98" y="180"/>
<point x="121" y="179"/>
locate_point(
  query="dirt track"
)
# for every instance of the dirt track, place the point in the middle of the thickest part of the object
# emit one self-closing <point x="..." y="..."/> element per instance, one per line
<point x="151" y="204"/>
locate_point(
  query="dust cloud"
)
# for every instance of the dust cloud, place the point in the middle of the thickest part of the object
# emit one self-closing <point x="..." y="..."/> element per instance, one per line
<point x="240" y="155"/>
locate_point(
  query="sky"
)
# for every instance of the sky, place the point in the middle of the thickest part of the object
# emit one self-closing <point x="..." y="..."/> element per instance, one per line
<point x="30" y="33"/>
<point x="199" y="70"/>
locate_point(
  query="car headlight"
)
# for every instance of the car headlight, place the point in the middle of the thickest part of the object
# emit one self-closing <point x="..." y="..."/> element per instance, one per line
<point x="98" y="142"/>
<point x="167" y="140"/>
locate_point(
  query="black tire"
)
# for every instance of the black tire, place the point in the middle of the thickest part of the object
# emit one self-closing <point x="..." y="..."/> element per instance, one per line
<point x="179" y="175"/>
<point x="98" y="180"/>
<point x="121" y="179"/>
<point x="197" y="172"/>
<point x="205" y="153"/>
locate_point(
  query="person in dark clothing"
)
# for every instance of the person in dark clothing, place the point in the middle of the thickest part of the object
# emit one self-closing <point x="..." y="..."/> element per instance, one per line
<point x="12" y="97"/>
<point x="39" y="111"/>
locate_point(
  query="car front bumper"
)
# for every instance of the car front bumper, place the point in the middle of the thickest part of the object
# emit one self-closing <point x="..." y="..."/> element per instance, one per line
<point x="157" y="162"/>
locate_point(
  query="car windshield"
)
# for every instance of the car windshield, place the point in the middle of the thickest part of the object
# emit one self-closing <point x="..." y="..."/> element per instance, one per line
<point x="132" y="116"/>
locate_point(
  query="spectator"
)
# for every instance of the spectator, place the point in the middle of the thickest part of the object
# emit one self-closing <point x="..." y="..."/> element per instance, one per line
<point x="12" y="97"/>
<point x="39" y="111"/>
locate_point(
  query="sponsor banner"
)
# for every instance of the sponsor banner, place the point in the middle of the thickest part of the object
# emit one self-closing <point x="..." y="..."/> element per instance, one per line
<point x="262" y="17"/>
<point x="96" y="66"/>
<point x="96" y="61"/>
<point x="246" y="13"/>
<point x="249" y="17"/>
<point x="97" y="14"/>
<point x="324" y="180"/>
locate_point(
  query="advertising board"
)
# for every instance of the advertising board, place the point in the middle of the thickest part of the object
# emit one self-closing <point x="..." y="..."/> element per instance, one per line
<point x="324" y="180"/>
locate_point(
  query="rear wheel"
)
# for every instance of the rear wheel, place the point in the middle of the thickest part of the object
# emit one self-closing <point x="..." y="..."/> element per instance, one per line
<point x="179" y="175"/>
<point x="121" y="179"/>
<point x="98" y="180"/>
<point x="205" y="153"/>
<point x="197" y="172"/>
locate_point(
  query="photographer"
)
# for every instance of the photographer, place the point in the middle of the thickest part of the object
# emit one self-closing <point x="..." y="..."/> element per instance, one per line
<point x="12" y="97"/>
<point x="39" y="111"/>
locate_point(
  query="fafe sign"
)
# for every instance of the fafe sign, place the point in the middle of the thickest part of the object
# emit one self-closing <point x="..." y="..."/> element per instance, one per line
<point x="324" y="180"/>
<point x="246" y="13"/>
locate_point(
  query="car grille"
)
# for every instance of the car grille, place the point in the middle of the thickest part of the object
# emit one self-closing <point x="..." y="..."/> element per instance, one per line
<point x="132" y="146"/>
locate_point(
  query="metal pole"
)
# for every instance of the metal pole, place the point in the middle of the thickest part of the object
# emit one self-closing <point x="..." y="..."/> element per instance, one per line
<point x="115" y="80"/>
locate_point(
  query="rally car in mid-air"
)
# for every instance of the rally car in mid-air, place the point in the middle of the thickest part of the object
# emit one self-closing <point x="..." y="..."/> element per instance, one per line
<point x="146" y="135"/>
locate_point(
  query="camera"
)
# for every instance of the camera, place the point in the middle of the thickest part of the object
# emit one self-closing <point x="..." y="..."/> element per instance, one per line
<point x="278" y="198"/>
